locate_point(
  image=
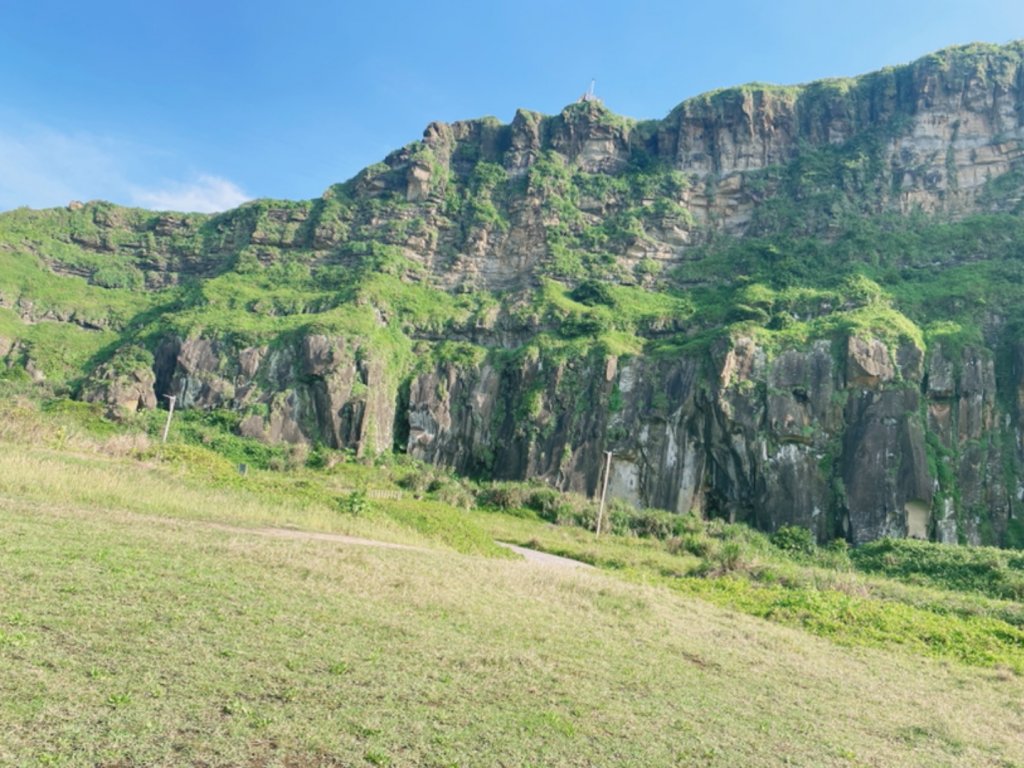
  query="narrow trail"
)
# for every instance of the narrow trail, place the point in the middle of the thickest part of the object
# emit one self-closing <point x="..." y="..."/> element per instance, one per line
<point x="300" y="535"/>
<point x="544" y="558"/>
<point x="531" y="556"/>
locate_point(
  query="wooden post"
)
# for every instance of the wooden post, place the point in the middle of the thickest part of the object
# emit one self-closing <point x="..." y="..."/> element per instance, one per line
<point x="604" y="492"/>
<point x="170" y="413"/>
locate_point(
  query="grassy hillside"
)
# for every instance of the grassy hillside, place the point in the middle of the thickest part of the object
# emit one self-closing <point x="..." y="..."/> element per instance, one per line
<point x="137" y="630"/>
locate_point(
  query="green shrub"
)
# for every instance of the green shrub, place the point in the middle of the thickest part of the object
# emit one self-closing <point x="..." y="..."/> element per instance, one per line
<point x="722" y="559"/>
<point x="985" y="570"/>
<point x="545" y="502"/>
<point x="451" y="491"/>
<point x="729" y="556"/>
<point x="653" y="523"/>
<point x="694" y="543"/>
<point x="416" y="482"/>
<point x="834" y="555"/>
<point x="549" y="504"/>
<point x="354" y="503"/>
<point x="617" y="517"/>
<point x="214" y="430"/>
<point x="838" y="546"/>
<point x="504" y="496"/>
<point x="578" y="511"/>
<point x="318" y="458"/>
<point x="593" y="293"/>
<point x="794" y="539"/>
<point x="118" y="276"/>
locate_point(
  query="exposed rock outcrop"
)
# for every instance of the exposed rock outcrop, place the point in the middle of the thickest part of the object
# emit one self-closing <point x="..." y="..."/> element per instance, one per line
<point x="123" y="391"/>
<point x="793" y="438"/>
<point x="754" y="386"/>
<point x="316" y="389"/>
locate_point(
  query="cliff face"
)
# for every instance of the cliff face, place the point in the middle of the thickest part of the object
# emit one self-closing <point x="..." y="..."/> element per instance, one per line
<point x="945" y="125"/>
<point x="314" y="389"/>
<point x="780" y="305"/>
<point x="925" y="137"/>
<point x="852" y="439"/>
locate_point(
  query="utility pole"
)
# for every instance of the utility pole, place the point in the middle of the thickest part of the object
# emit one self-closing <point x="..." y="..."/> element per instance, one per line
<point x="170" y="413"/>
<point x="604" y="491"/>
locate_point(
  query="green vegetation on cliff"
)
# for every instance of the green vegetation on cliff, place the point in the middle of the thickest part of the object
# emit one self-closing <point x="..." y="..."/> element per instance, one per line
<point x="517" y="299"/>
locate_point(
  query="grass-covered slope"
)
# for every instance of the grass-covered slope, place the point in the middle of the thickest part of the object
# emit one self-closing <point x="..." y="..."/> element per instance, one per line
<point x="137" y="642"/>
<point x="137" y="629"/>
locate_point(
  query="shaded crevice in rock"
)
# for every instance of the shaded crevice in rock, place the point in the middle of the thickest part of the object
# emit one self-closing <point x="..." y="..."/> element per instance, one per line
<point x="165" y="361"/>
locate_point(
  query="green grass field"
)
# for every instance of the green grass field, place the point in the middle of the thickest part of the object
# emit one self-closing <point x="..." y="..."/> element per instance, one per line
<point x="136" y="632"/>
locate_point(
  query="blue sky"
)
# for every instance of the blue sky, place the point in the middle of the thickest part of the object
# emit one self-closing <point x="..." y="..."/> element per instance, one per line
<point x="201" y="105"/>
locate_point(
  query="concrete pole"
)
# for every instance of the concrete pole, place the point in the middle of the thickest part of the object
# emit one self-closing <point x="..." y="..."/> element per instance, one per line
<point x="604" y="492"/>
<point x="170" y="413"/>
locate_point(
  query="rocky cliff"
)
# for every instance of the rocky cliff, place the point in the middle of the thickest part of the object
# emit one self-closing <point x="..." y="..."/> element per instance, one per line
<point x="785" y="305"/>
<point x="849" y="438"/>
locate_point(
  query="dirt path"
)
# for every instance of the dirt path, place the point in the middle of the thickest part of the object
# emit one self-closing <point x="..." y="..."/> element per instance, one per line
<point x="543" y="558"/>
<point x="296" y="534"/>
<point x="300" y="535"/>
<point x="530" y="555"/>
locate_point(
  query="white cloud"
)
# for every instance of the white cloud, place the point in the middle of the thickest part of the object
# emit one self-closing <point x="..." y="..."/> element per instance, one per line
<point x="205" y="194"/>
<point x="42" y="168"/>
